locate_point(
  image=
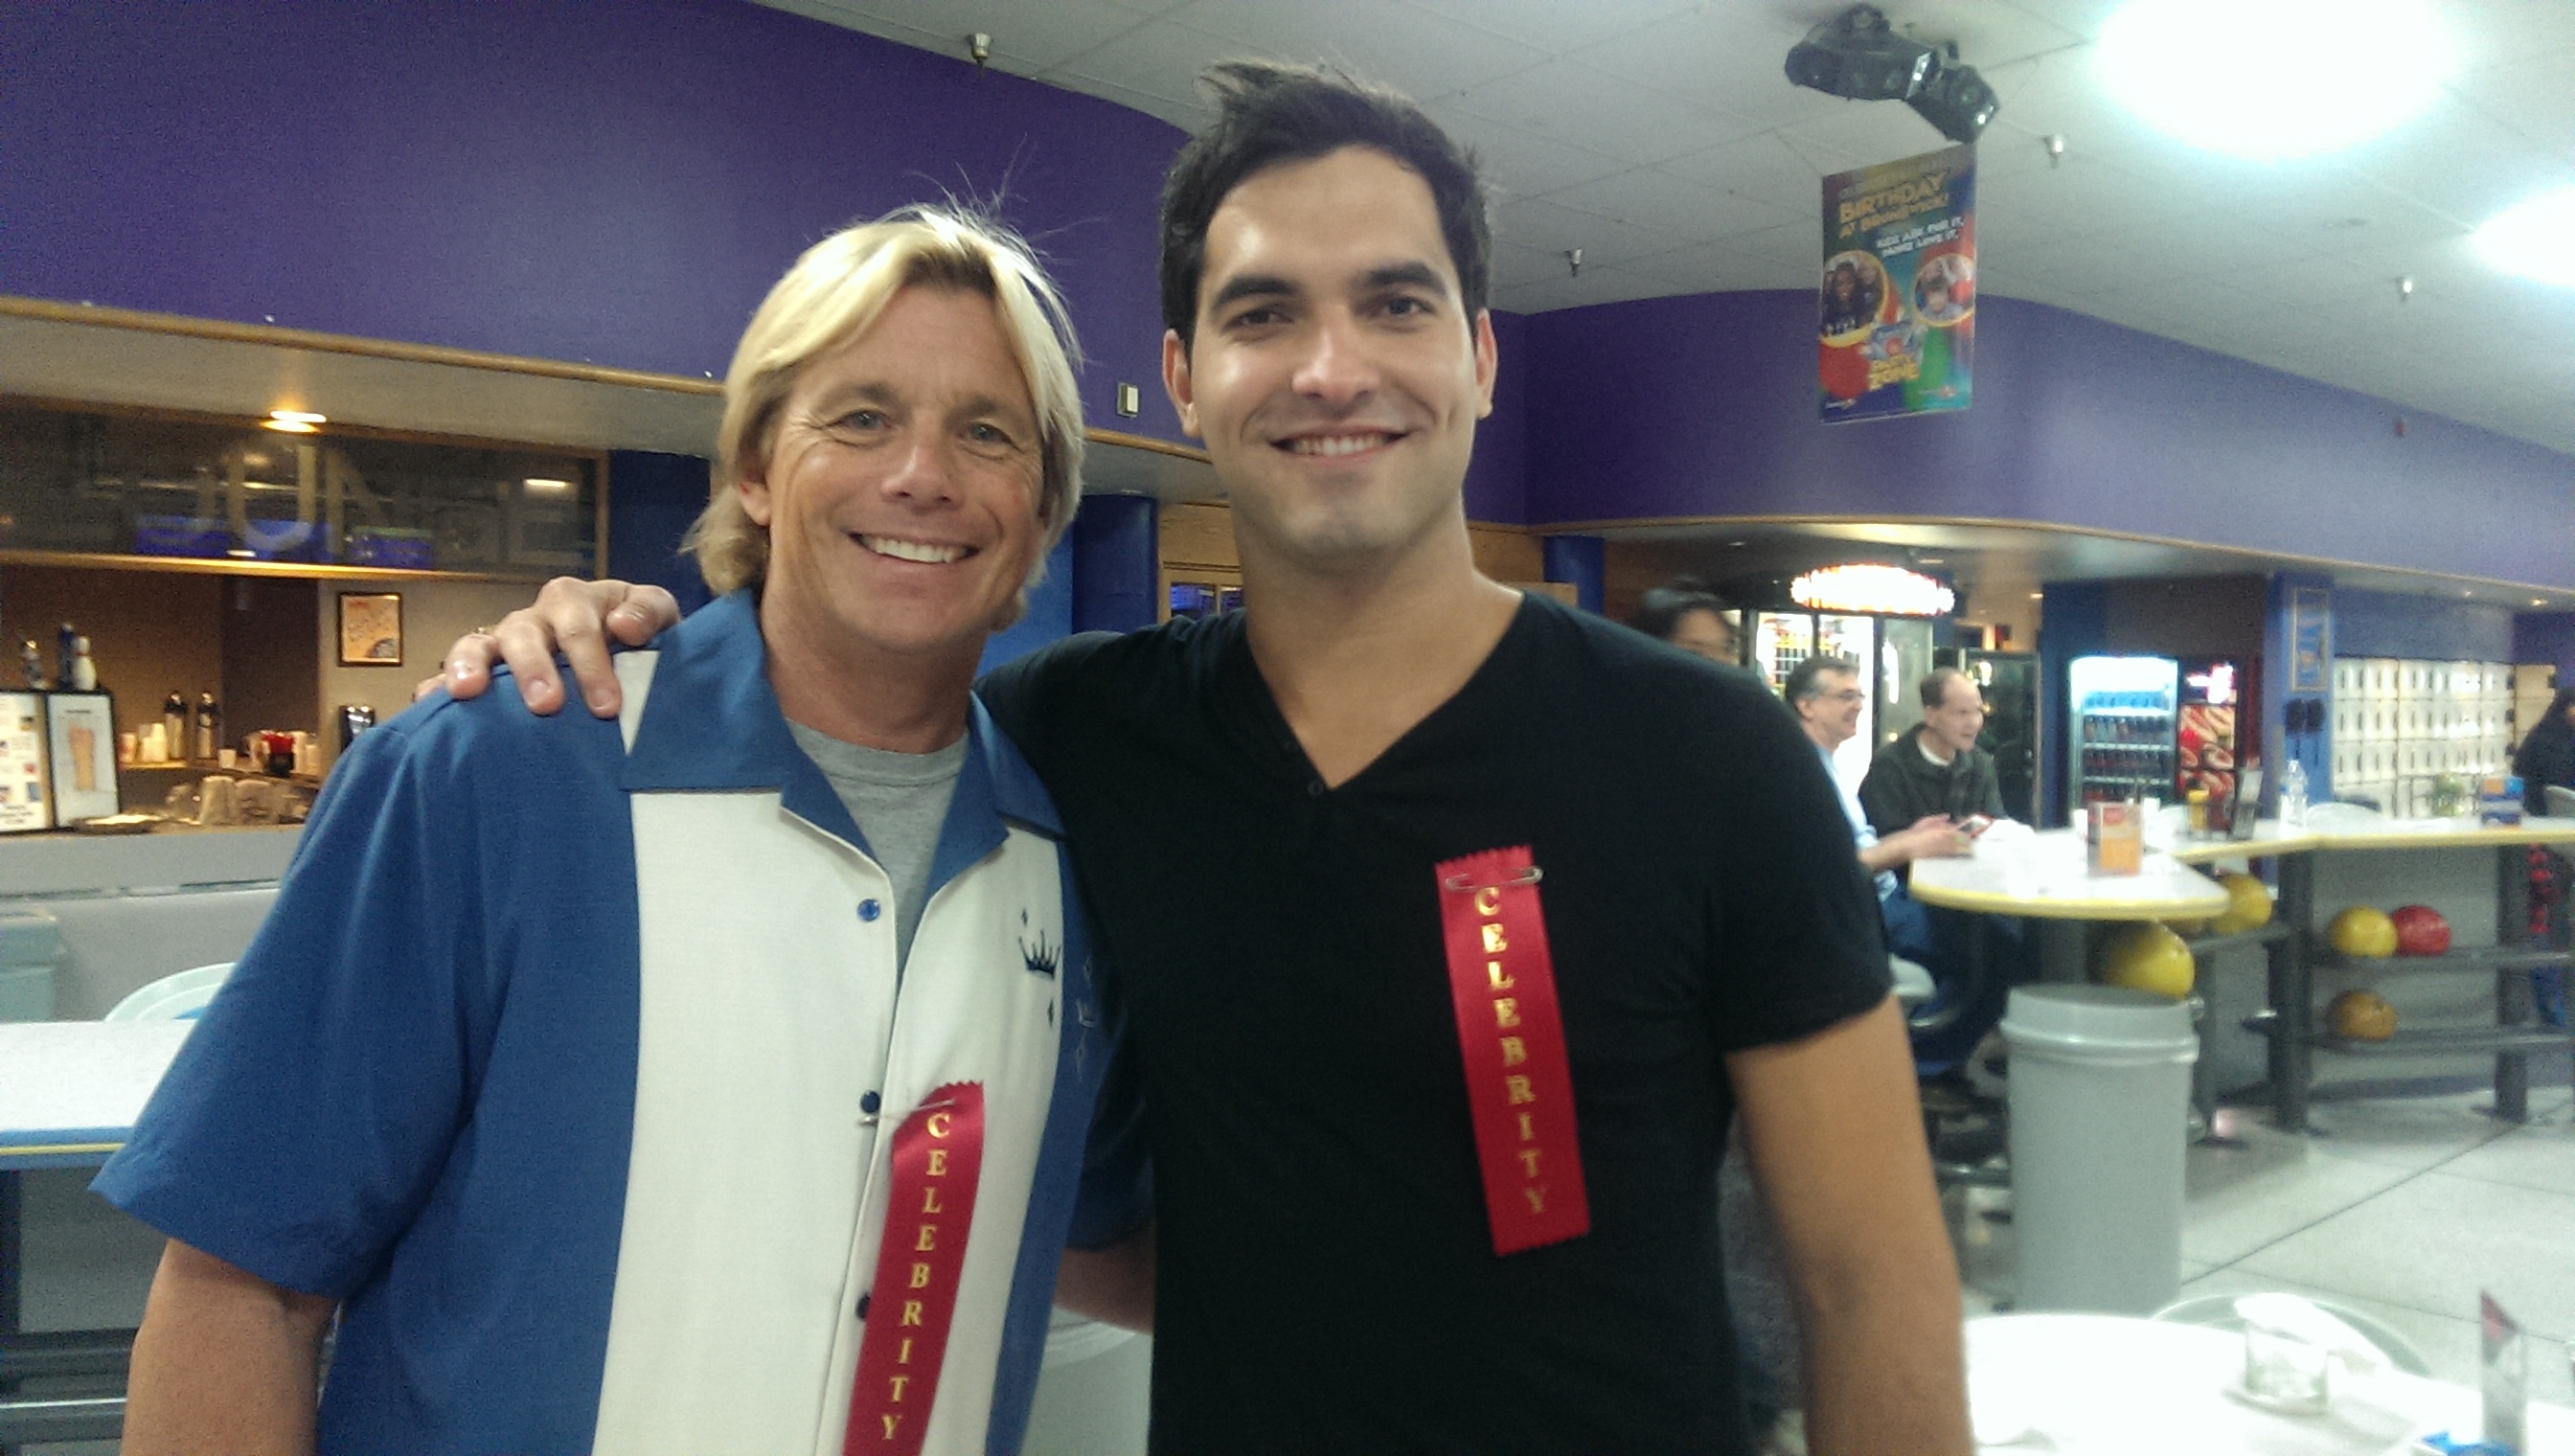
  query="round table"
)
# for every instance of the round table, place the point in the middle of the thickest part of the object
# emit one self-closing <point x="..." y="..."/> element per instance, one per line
<point x="2045" y="877"/>
<point x="2104" y="1385"/>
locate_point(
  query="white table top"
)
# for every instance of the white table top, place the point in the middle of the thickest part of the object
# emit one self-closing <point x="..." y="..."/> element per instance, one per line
<point x="2375" y="831"/>
<point x="70" y="1090"/>
<point x="2044" y="876"/>
<point x="2105" y="1385"/>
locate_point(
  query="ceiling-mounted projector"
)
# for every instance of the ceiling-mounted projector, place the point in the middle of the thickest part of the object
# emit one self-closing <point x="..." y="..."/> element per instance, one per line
<point x="1856" y="54"/>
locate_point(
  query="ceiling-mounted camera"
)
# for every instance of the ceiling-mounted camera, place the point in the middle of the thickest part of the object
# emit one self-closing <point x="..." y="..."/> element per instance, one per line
<point x="1858" y="55"/>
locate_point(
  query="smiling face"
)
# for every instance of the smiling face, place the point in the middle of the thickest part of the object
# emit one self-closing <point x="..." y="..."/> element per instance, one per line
<point x="900" y="489"/>
<point x="1831" y="712"/>
<point x="1333" y="373"/>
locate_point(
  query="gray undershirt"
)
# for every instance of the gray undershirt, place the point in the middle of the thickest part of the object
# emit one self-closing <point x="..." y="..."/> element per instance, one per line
<point x="901" y="802"/>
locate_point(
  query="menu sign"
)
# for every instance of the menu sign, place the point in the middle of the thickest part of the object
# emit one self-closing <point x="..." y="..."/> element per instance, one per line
<point x="23" y="801"/>
<point x="1896" y="327"/>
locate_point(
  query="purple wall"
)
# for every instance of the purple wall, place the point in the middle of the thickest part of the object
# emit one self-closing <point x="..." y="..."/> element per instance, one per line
<point x="611" y="182"/>
<point x="1498" y="478"/>
<point x="1705" y="406"/>
<point x="2546" y="636"/>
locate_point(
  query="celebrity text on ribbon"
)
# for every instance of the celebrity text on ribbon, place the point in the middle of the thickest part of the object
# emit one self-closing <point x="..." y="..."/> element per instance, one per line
<point x="937" y="1153"/>
<point x="1519" y="1084"/>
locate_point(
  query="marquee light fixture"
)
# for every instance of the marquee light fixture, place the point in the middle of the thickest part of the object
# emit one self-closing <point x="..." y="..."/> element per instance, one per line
<point x="1871" y="588"/>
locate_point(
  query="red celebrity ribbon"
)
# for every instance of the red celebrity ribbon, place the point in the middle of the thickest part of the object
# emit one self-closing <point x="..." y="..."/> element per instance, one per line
<point x="937" y="1153"/>
<point x="1517" y="1081"/>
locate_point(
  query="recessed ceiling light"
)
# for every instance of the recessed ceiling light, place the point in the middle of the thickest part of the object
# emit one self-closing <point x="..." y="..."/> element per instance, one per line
<point x="545" y="486"/>
<point x="2529" y="237"/>
<point x="295" y="422"/>
<point x="2272" y="79"/>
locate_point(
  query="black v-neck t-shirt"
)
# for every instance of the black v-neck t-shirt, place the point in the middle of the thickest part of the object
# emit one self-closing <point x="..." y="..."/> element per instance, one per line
<point x="1327" y="1280"/>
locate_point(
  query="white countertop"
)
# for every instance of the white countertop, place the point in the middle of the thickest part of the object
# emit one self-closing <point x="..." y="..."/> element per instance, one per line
<point x="2044" y="876"/>
<point x="71" y="1090"/>
<point x="2107" y="1385"/>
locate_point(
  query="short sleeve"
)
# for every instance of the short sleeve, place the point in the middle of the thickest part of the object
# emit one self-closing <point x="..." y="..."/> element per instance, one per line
<point x="1116" y="1194"/>
<point x="311" y="1111"/>
<point x="1796" y="942"/>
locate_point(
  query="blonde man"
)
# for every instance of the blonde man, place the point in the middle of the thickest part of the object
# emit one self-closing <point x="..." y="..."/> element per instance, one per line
<point x="712" y="1135"/>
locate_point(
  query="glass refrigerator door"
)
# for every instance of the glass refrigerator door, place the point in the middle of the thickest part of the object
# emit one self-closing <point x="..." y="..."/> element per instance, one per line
<point x="2123" y="728"/>
<point x="1855" y="639"/>
<point x="2009" y="682"/>
<point x="1780" y="641"/>
<point x="1904" y="660"/>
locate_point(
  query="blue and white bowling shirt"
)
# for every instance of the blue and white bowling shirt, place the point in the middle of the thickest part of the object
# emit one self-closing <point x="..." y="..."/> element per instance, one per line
<point x="570" y="1061"/>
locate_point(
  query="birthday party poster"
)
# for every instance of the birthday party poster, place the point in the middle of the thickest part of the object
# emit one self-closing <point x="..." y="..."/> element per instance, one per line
<point x="1896" y="330"/>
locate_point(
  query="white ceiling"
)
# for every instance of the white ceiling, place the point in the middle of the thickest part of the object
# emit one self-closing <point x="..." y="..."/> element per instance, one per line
<point x="1661" y="137"/>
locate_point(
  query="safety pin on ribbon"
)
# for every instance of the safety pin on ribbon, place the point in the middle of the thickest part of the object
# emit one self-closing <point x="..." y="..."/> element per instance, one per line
<point x="1462" y="884"/>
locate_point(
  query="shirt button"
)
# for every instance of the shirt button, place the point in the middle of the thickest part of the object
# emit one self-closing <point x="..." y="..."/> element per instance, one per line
<point x="1314" y="790"/>
<point x="870" y="1104"/>
<point x="863" y="1301"/>
<point x="869" y="910"/>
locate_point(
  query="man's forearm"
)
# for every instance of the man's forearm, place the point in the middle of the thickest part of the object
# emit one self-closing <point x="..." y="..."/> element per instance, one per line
<point x="1884" y="1368"/>
<point x="224" y="1362"/>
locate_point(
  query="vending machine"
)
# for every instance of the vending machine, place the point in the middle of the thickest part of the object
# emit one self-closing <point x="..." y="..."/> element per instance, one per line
<point x="2123" y="728"/>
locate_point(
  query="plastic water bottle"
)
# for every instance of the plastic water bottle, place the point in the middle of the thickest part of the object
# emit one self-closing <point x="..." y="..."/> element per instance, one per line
<point x="2293" y="796"/>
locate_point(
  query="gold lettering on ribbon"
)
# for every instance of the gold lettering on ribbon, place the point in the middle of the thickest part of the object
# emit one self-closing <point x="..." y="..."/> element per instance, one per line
<point x="1528" y="1132"/>
<point x="904" y="1357"/>
<point x="929" y="1240"/>
<point x="929" y="1201"/>
<point x="1536" y="1198"/>
<point x="1488" y="901"/>
<point x="939" y="1125"/>
<point x="1519" y="1089"/>
<point x="937" y="1161"/>
<point x="1500" y="980"/>
<point x="912" y="1311"/>
<point x="921" y="1276"/>
<point x="1528" y="1160"/>
<point x="1515" y="1051"/>
<point x="900" y="1381"/>
<point x="889" y="1423"/>
<point x="1506" y="1013"/>
<point x="1495" y="944"/>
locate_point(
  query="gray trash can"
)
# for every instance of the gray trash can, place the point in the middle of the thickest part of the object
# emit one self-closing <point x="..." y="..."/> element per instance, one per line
<point x="2100" y="1093"/>
<point x="30" y="947"/>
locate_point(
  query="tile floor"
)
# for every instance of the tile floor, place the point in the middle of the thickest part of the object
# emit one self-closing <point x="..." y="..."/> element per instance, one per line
<point x="2402" y="1209"/>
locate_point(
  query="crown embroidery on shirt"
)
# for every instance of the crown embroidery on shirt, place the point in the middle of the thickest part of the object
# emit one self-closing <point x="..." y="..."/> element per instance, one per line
<point x="1043" y="958"/>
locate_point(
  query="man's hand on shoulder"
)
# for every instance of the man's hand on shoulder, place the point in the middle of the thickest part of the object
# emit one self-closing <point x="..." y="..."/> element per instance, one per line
<point x="575" y="616"/>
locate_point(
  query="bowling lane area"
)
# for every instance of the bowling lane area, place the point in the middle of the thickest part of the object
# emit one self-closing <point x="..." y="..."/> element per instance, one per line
<point x="2401" y="1210"/>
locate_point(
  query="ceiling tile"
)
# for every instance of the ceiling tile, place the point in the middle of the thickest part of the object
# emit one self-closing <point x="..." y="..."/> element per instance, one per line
<point x="1704" y="268"/>
<point x="1161" y="59"/>
<point x="1657" y="200"/>
<point x="1871" y="132"/>
<point x="2458" y="160"/>
<point x="1514" y="265"/>
<point x="1025" y="37"/>
<point x="1573" y="104"/>
<point x="1764" y="168"/>
<point x="1986" y="34"/>
<point x="1518" y="163"/>
<point x="1547" y="228"/>
<point x="1404" y="47"/>
<point x="1733" y="56"/>
<point x="1552" y="25"/>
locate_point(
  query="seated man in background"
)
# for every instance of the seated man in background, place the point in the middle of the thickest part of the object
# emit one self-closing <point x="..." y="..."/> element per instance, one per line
<point x="1936" y="772"/>
<point x="1825" y="693"/>
<point x="619" y="1084"/>
<point x="1936" y="767"/>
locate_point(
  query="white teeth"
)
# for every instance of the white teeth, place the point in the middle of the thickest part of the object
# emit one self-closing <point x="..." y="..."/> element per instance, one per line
<point x="1336" y="444"/>
<point x="912" y="551"/>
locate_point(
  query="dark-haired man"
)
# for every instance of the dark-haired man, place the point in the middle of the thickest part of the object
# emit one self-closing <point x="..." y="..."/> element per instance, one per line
<point x="1453" y="923"/>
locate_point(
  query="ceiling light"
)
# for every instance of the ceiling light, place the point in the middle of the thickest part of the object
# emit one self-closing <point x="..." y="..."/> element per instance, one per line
<point x="545" y="486"/>
<point x="2271" y="79"/>
<point x="294" y="421"/>
<point x="2529" y="237"/>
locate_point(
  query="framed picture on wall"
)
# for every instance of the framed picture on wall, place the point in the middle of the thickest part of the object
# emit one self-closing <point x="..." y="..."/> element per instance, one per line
<point x="371" y="634"/>
<point x="25" y="803"/>
<point x="80" y="732"/>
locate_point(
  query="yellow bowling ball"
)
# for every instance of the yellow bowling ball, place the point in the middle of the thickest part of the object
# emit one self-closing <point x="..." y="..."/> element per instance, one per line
<point x="2248" y="904"/>
<point x="2361" y="1016"/>
<point x="2362" y="933"/>
<point x="2148" y="958"/>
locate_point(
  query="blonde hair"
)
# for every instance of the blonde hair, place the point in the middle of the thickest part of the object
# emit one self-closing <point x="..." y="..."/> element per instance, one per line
<point x="832" y="295"/>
